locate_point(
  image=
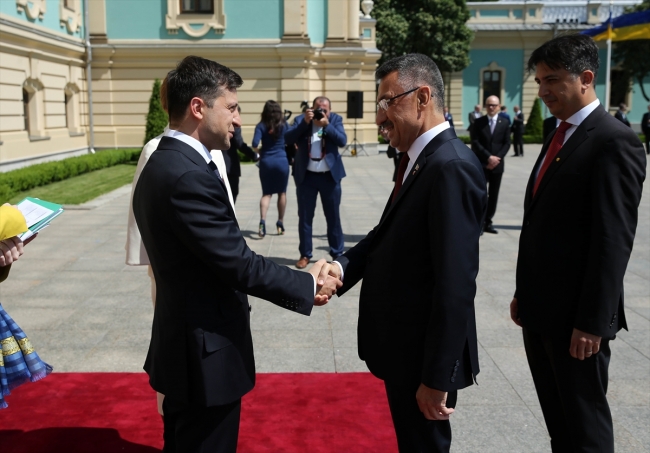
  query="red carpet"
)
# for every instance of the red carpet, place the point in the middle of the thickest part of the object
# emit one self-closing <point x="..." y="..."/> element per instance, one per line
<point x="116" y="412"/>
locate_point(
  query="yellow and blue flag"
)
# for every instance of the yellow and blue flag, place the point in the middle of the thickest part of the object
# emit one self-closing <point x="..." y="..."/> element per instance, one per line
<point x="623" y="28"/>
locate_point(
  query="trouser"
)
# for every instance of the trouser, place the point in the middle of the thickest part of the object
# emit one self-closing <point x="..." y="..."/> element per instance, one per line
<point x="572" y="393"/>
<point x="518" y="143"/>
<point x="196" y="429"/>
<point x="416" y="434"/>
<point x="330" y="194"/>
<point x="494" y="183"/>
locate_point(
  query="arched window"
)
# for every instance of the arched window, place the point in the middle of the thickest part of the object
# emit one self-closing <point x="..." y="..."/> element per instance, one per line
<point x="491" y="84"/>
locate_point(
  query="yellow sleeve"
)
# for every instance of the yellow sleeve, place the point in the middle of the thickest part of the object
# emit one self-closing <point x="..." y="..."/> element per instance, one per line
<point x="12" y="222"/>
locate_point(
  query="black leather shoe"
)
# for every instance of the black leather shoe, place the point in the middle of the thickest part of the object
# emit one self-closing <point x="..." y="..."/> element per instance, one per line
<point x="490" y="229"/>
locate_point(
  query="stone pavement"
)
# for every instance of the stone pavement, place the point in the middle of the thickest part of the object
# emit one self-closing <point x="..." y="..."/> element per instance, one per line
<point x="85" y="310"/>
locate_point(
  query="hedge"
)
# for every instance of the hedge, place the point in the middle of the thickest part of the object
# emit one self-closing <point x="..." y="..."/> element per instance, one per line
<point x="527" y="139"/>
<point x="22" y="179"/>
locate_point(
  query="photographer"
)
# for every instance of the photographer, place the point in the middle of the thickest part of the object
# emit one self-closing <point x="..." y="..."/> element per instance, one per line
<point x="318" y="169"/>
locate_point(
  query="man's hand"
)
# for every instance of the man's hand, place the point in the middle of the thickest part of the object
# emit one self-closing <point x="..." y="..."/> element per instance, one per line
<point x="583" y="345"/>
<point x="10" y="250"/>
<point x="433" y="403"/>
<point x="492" y="162"/>
<point x="514" y="312"/>
<point x="324" y="121"/>
<point x="309" y="115"/>
<point x="326" y="285"/>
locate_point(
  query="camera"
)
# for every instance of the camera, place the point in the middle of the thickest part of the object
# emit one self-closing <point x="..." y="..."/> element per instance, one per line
<point x="319" y="114"/>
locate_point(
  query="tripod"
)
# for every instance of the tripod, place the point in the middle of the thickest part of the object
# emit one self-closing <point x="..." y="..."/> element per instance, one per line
<point x="354" y="145"/>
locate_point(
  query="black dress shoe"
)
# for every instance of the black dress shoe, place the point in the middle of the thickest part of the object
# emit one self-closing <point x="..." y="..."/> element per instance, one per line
<point x="490" y="229"/>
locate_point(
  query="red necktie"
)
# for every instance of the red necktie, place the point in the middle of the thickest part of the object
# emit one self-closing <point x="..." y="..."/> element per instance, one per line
<point x="403" y="163"/>
<point x="553" y="149"/>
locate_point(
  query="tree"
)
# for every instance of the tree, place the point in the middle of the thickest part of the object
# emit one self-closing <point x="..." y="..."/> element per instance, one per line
<point x="431" y="27"/>
<point x="157" y="117"/>
<point x="633" y="55"/>
<point x="535" y="123"/>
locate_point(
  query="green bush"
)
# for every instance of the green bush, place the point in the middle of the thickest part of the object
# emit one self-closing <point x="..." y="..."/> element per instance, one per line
<point x="535" y="123"/>
<point x="157" y="117"/>
<point x="533" y="138"/>
<point x="37" y="175"/>
<point x="465" y="139"/>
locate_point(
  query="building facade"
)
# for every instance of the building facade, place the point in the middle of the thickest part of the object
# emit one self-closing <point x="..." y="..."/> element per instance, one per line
<point x="285" y="50"/>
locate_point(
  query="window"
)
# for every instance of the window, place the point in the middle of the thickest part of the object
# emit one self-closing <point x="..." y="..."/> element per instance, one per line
<point x="197" y="6"/>
<point x="196" y="18"/>
<point x="26" y="109"/>
<point x="619" y="88"/>
<point x="491" y="84"/>
<point x="66" y="102"/>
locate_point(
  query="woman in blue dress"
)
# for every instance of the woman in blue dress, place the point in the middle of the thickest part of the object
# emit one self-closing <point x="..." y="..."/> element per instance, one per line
<point x="274" y="166"/>
<point x="19" y="363"/>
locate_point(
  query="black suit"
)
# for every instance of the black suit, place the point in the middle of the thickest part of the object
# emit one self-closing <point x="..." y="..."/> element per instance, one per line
<point x="518" y="133"/>
<point x="201" y="352"/>
<point x="416" y="307"/>
<point x="645" y="127"/>
<point x="233" y="164"/>
<point x="574" y="247"/>
<point x="486" y="144"/>
<point x="548" y="127"/>
<point x="622" y="117"/>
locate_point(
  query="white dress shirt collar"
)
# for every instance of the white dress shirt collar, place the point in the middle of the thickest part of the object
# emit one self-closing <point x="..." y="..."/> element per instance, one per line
<point x="423" y="140"/>
<point x="577" y="118"/>
<point x="194" y="143"/>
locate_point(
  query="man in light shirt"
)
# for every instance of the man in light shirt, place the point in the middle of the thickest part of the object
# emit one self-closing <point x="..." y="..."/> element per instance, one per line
<point x="318" y="170"/>
<point x="580" y="217"/>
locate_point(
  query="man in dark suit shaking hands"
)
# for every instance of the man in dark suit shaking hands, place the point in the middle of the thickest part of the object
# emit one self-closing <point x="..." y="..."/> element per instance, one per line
<point x="417" y="328"/>
<point x="490" y="142"/>
<point x="201" y="352"/>
<point x="580" y="217"/>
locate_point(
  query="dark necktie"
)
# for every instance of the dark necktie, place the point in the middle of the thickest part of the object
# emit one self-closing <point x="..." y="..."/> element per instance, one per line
<point x="553" y="149"/>
<point x="214" y="169"/>
<point x="403" y="163"/>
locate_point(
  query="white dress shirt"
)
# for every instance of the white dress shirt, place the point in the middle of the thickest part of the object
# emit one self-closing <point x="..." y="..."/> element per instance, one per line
<point x="316" y="151"/>
<point x="418" y="145"/>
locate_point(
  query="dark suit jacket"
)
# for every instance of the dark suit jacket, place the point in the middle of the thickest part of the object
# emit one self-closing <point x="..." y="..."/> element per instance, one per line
<point x="623" y="119"/>
<point x="645" y="124"/>
<point x="419" y="265"/>
<point x="231" y="157"/>
<point x="578" y="230"/>
<point x="548" y="127"/>
<point x="471" y="118"/>
<point x="486" y="144"/>
<point x="201" y="350"/>
<point x="335" y="138"/>
<point x="518" y="123"/>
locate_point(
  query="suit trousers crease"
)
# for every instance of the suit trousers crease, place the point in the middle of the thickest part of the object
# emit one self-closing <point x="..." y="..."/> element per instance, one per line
<point x="572" y="393"/>
<point x="330" y="193"/>
<point x="416" y="434"/>
<point x="494" y="184"/>
<point x="196" y="429"/>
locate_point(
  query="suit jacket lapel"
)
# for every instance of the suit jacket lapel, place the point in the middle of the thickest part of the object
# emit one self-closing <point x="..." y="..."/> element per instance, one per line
<point x="416" y="170"/>
<point x="576" y="139"/>
<point x="191" y="154"/>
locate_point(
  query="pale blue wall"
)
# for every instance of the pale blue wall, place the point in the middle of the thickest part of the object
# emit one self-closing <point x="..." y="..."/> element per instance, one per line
<point x="51" y="19"/>
<point x="512" y="60"/>
<point x="317" y="21"/>
<point x="145" y="19"/>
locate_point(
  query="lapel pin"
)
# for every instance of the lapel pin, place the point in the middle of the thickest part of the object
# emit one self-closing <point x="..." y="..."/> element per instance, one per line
<point x="557" y="159"/>
<point x="417" y="167"/>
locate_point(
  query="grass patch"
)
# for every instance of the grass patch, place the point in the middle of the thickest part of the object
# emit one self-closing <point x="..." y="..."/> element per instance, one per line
<point x="82" y="188"/>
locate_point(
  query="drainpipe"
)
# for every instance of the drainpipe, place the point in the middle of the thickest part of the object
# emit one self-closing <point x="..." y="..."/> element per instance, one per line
<point x="89" y="79"/>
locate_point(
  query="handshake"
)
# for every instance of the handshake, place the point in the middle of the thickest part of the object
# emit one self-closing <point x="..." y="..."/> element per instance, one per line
<point x="328" y="280"/>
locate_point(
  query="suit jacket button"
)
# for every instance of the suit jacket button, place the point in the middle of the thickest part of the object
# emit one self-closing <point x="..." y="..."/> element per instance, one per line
<point x="457" y="362"/>
<point x="452" y="379"/>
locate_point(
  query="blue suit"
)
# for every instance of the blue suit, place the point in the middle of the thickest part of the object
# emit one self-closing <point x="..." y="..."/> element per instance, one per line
<point x="309" y="184"/>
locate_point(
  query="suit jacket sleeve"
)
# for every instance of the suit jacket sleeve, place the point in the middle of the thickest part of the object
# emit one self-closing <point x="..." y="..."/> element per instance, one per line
<point x="616" y="186"/>
<point x="240" y="145"/>
<point x="481" y="151"/>
<point x="335" y="131"/>
<point x="459" y="192"/>
<point x="203" y="222"/>
<point x="505" y="147"/>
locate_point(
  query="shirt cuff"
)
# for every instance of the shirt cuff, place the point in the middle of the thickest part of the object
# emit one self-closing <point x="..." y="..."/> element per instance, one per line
<point x="340" y="268"/>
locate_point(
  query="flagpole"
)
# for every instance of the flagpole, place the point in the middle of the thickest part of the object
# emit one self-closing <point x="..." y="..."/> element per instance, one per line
<point x="609" y="57"/>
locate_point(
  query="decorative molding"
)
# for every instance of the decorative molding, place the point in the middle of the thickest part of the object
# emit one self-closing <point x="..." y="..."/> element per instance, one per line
<point x="174" y="20"/>
<point x="34" y="9"/>
<point x="70" y="17"/>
